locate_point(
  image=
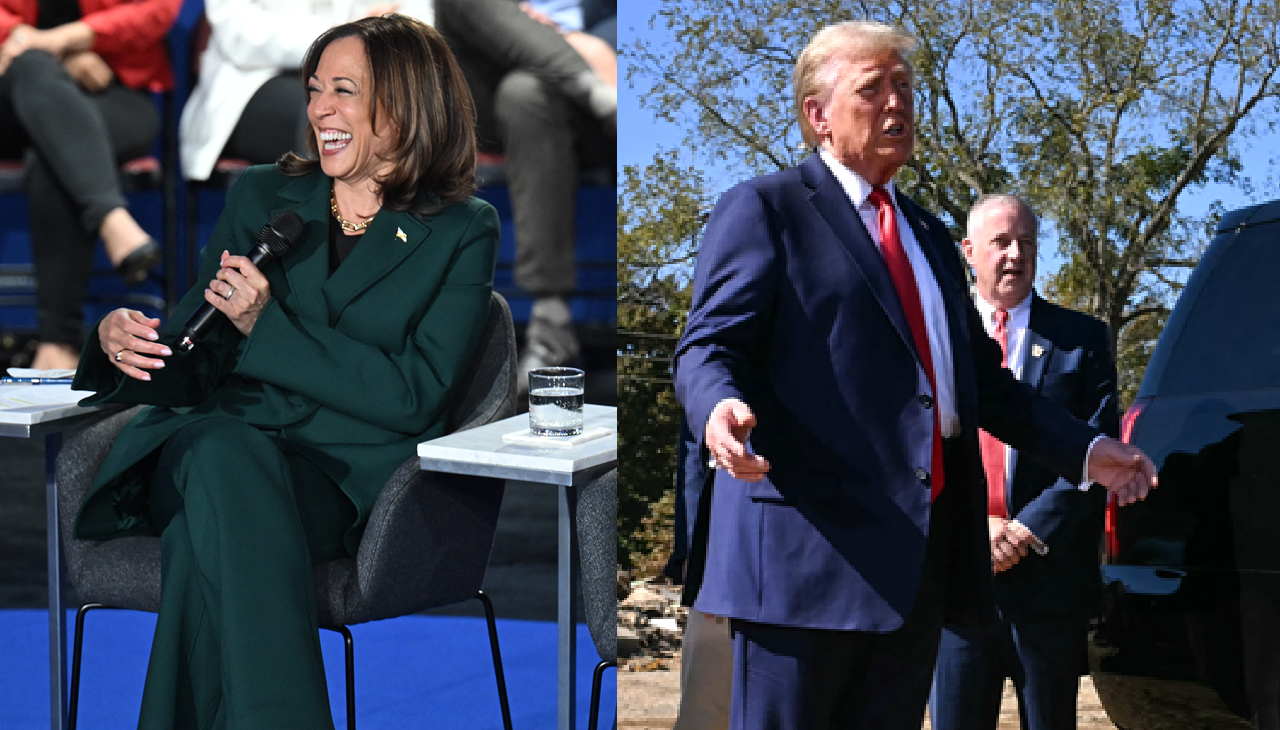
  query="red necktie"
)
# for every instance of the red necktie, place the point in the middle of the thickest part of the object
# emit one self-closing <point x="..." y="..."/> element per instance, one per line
<point x="904" y="280"/>
<point x="991" y="447"/>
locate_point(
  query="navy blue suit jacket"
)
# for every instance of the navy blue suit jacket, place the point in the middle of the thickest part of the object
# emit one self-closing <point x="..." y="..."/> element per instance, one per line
<point x="692" y="513"/>
<point x="795" y="314"/>
<point x="1068" y="358"/>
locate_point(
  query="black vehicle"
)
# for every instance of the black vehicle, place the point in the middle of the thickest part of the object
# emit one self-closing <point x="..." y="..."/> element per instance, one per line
<point x="1190" y="636"/>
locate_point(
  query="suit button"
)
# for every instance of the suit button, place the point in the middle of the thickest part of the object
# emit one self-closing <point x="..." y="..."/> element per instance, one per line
<point x="922" y="474"/>
<point x="926" y="400"/>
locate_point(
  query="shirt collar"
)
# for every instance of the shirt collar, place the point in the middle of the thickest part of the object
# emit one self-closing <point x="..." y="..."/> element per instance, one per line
<point x="1020" y="312"/>
<point x="855" y="186"/>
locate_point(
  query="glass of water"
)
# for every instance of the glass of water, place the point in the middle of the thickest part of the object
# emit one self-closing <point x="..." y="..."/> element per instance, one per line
<point x="555" y="401"/>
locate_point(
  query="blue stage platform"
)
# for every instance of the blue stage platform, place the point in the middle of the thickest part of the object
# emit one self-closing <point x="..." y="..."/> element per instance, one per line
<point x="417" y="671"/>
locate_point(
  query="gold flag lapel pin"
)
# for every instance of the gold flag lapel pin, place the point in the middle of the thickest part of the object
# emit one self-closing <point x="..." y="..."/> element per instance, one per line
<point x="401" y="235"/>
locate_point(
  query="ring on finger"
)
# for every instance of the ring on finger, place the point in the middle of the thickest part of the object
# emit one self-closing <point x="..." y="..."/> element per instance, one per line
<point x="230" y="290"/>
<point x="120" y="355"/>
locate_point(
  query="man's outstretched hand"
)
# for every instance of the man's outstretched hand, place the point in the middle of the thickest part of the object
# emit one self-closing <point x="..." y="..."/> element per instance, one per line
<point x="1123" y="469"/>
<point x="726" y="435"/>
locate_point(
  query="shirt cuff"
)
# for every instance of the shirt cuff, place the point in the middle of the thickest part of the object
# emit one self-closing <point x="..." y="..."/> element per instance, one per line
<point x="1036" y="543"/>
<point x="1087" y="483"/>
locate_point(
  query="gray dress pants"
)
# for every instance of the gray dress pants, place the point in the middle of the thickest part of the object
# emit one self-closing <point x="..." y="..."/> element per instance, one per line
<point x="523" y="76"/>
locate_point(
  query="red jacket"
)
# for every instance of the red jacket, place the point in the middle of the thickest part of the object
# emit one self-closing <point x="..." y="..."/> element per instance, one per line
<point x="128" y="34"/>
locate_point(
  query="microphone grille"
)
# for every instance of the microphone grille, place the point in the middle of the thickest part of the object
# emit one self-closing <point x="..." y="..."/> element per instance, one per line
<point x="281" y="233"/>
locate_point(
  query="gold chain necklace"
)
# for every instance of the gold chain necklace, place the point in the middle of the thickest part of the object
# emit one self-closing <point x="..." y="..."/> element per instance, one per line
<point x="347" y="225"/>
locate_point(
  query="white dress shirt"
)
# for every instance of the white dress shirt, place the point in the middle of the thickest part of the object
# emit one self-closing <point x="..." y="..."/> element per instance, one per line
<point x="1016" y="356"/>
<point x="1016" y="328"/>
<point x="935" y="311"/>
<point x="1016" y="331"/>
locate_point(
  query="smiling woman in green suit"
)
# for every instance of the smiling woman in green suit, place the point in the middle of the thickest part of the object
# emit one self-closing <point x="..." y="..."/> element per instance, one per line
<point x="267" y="442"/>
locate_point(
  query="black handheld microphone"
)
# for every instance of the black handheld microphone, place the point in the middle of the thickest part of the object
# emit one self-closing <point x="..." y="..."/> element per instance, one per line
<point x="274" y="241"/>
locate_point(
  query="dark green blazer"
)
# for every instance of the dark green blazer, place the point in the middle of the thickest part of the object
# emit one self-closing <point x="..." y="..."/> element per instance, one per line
<point x="351" y="371"/>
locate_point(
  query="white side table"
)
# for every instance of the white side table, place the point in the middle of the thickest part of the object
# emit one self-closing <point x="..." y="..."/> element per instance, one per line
<point x="482" y="452"/>
<point x="50" y="420"/>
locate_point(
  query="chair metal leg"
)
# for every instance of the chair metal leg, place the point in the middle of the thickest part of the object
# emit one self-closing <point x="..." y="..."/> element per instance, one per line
<point x="597" y="682"/>
<point x="74" y="699"/>
<point x="497" y="658"/>
<point x="350" y="651"/>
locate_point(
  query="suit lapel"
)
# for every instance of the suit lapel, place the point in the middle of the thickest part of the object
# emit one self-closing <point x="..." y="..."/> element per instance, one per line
<point x="1035" y="357"/>
<point x="1039" y="343"/>
<point x="835" y="208"/>
<point x="937" y="244"/>
<point x="389" y="240"/>
<point x="312" y="291"/>
<point x="308" y="266"/>
<point x="954" y="293"/>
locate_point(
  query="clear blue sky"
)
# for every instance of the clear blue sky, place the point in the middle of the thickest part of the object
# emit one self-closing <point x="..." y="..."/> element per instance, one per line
<point x="640" y="135"/>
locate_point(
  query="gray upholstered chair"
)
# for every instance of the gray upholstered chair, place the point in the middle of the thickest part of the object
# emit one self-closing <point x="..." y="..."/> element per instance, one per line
<point x="427" y="543"/>
<point x="597" y="521"/>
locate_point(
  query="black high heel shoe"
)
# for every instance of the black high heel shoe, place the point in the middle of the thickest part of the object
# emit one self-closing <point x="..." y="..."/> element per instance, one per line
<point x="135" y="267"/>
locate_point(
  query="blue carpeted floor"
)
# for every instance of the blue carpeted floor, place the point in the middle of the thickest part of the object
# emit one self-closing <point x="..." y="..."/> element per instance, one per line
<point x="417" y="671"/>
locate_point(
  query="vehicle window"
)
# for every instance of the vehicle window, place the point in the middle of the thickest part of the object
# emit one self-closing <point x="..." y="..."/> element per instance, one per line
<point x="1231" y="340"/>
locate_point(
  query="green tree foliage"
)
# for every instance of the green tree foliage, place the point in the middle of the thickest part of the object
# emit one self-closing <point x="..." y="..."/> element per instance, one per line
<point x="660" y="213"/>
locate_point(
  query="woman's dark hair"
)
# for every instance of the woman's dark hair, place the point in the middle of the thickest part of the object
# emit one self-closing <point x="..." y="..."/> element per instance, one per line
<point x="416" y="80"/>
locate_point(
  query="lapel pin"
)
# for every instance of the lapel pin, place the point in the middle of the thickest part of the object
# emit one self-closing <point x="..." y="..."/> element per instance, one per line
<point x="1036" y="350"/>
<point x="400" y="235"/>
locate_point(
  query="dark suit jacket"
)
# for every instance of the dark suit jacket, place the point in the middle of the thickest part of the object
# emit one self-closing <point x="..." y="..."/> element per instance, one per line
<point x="353" y="370"/>
<point x="692" y="514"/>
<point x="1068" y="359"/>
<point x="794" y="313"/>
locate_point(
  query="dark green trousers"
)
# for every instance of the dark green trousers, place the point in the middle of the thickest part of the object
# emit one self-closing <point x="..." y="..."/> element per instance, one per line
<point x="236" y="644"/>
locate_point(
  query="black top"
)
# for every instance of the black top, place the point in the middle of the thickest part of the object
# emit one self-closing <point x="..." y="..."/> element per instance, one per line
<point x="54" y="13"/>
<point x="340" y="244"/>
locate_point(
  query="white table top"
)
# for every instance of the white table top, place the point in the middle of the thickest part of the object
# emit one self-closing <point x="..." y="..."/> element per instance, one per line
<point x="482" y="452"/>
<point x="25" y="406"/>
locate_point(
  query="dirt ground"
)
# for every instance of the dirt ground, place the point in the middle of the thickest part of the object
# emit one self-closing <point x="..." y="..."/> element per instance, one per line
<point x="648" y="700"/>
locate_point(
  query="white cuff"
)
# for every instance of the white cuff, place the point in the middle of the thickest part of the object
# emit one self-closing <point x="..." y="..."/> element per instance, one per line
<point x="1084" y="485"/>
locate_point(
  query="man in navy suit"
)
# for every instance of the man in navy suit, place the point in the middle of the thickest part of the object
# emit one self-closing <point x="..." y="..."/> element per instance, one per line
<point x="1045" y="533"/>
<point x="836" y="371"/>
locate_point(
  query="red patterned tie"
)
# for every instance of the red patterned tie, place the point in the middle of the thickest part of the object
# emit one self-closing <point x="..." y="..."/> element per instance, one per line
<point x="904" y="280"/>
<point x="992" y="448"/>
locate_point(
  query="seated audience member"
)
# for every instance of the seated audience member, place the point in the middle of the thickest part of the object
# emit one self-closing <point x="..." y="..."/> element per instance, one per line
<point x="540" y="103"/>
<point x="590" y="27"/>
<point x="262" y="454"/>
<point x="74" y="104"/>
<point x="600" y="19"/>
<point x="247" y="103"/>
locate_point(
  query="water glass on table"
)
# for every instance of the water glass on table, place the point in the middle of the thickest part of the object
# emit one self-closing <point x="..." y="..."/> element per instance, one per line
<point x="555" y="401"/>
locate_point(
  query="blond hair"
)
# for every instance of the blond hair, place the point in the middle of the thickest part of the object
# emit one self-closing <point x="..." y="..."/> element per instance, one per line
<point x="816" y="69"/>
